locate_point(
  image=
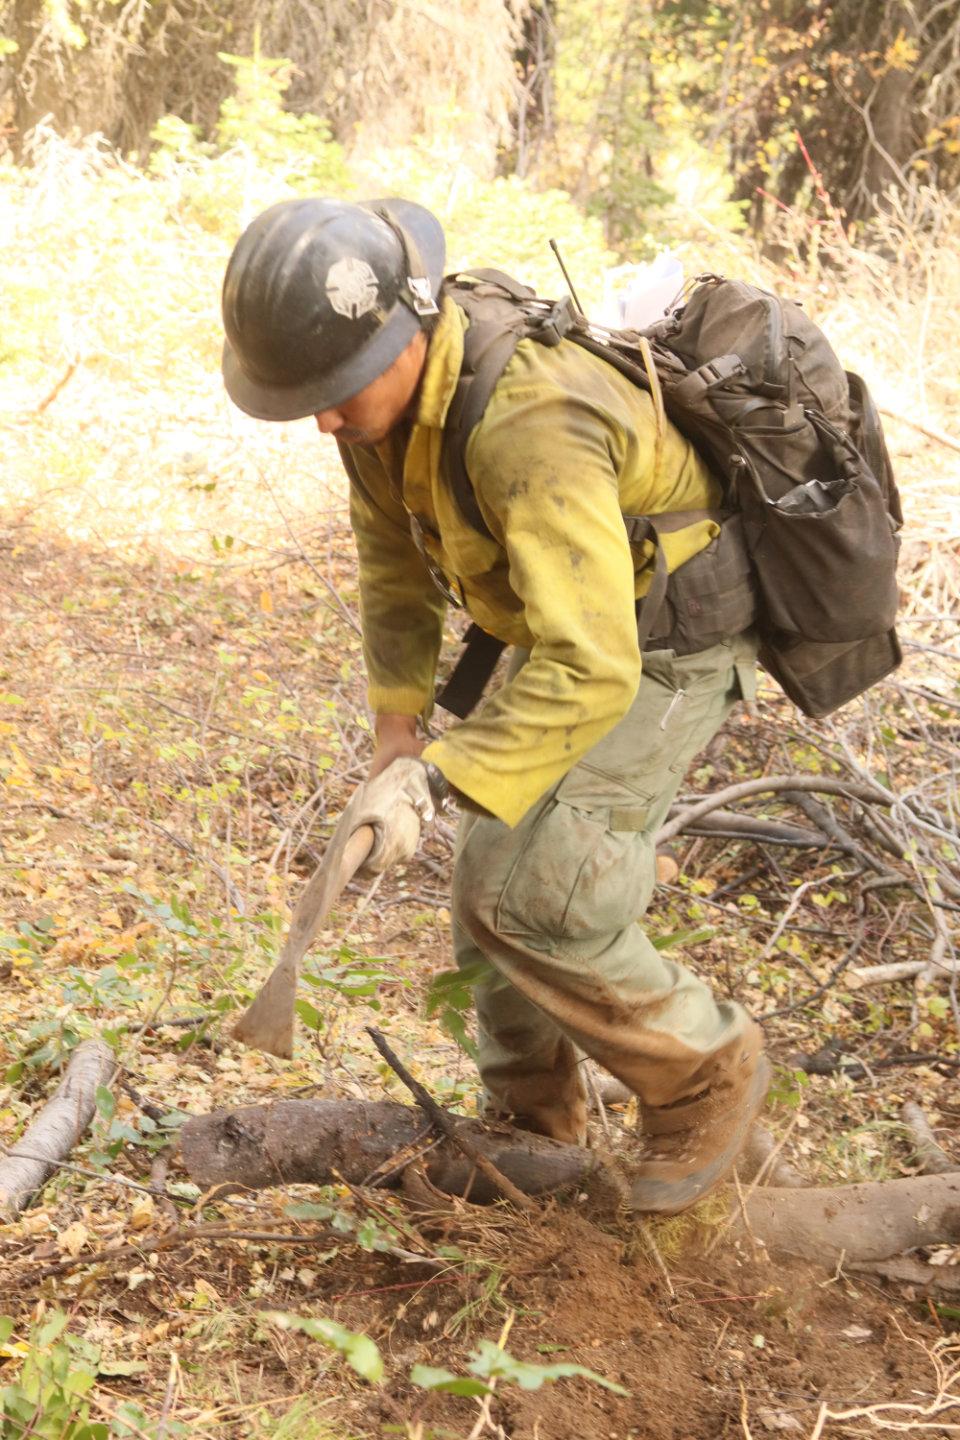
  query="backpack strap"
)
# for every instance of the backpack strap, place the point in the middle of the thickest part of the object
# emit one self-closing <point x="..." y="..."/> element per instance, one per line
<point x="476" y="662"/>
<point x="497" y="324"/>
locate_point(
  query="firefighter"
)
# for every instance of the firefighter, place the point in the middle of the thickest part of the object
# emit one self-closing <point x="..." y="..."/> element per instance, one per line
<point x="340" y="311"/>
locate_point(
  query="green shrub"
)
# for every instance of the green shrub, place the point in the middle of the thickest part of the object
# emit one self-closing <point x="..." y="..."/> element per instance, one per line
<point x="260" y="153"/>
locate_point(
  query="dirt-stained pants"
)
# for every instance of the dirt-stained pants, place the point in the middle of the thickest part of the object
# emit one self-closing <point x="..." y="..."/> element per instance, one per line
<point x="553" y="906"/>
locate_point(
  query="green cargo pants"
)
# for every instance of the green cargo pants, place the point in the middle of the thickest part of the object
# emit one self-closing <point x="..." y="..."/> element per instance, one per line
<point x="553" y="906"/>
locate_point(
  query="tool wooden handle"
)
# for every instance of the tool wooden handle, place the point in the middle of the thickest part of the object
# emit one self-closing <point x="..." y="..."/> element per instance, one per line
<point x="358" y="847"/>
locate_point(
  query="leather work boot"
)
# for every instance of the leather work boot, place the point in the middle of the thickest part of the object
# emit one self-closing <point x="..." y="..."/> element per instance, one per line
<point x="692" y="1145"/>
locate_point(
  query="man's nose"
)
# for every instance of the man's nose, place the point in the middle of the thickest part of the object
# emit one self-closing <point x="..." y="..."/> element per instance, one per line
<point x="329" y="422"/>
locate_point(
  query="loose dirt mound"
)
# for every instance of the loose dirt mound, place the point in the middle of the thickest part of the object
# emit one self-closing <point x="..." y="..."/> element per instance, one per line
<point x="737" y="1339"/>
<point x="740" y="1347"/>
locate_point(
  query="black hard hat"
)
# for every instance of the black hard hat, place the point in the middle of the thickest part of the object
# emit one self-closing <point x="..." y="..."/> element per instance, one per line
<point x="321" y="296"/>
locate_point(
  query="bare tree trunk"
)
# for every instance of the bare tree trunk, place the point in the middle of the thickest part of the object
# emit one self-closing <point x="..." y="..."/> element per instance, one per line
<point x="57" y="1128"/>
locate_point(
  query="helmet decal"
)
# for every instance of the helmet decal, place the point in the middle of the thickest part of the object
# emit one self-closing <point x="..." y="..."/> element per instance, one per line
<point x="352" y="287"/>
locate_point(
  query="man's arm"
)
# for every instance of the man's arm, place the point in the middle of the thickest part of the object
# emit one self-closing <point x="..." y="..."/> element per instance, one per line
<point x="545" y="468"/>
<point x="396" y="737"/>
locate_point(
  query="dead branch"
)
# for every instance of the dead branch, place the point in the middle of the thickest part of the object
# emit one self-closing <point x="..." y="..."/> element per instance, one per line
<point x="898" y="970"/>
<point x="908" y="1270"/>
<point x="771" y="784"/>
<point x="731" y="826"/>
<point x="826" y="821"/>
<point x="443" y="1122"/>
<point x="934" y="1160"/>
<point x="57" y="1128"/>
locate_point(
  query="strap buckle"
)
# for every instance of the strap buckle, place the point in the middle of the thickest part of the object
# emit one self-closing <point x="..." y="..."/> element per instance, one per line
<point x="551" y="327"/>
<point x="421" y="296"/>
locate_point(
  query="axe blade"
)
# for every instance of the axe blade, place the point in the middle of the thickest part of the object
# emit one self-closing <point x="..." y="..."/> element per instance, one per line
<point x="267" y="1022"/>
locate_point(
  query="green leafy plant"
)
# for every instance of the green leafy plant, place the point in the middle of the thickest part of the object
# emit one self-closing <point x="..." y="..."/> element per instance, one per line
<point x="260" y="150"/>
<point x="490" y="1362"/>
<point x="358" y="1350"/>
<point x="47" y="1397"/>
<point x="450" y="999"/>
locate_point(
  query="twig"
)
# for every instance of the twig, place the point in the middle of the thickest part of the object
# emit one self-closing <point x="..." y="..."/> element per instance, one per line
<point x="84" y="1170"/>
<point x="169" y="1396"/>
<point x="52" y="394"/>
<point x="443" y="1122"/>
<point x="834" y="975"/>
<point x="188" y="1235"/>
<point x="742" y="1197"/>
<point x="648" y="1239"/>
<point x="158" y="1186"/>
<point x="152" y="1112"/>
<point x="939" y="435"/>
<point x="761" y="1157"/>
<point x="594" y="1089"/>
<point x="786" y="917"/>
<point x="832" y="1064"/>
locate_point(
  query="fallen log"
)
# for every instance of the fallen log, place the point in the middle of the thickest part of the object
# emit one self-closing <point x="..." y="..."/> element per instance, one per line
<point x="870" y="1221"/>
<point x="58" y="1127"/>
<point x="320" y="1141"/>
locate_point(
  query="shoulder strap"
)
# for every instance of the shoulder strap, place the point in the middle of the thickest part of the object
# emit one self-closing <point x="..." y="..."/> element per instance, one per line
<point x="493" y="303"/>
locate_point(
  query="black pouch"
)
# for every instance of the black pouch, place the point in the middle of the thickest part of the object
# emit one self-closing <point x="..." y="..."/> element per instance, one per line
<point x="826" y="560"/>
<point x="820" y="677"/>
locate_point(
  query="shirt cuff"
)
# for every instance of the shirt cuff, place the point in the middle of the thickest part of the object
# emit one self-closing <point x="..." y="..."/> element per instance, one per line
<point x="399" y="700"/>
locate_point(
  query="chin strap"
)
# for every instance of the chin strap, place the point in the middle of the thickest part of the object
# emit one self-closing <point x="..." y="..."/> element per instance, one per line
<point x="416" y="292"/>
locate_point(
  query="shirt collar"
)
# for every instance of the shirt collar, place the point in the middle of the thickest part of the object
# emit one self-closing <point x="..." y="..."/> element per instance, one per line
<point x="442" y="369"/>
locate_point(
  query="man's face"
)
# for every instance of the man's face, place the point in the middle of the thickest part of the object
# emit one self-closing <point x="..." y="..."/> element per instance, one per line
<point x="369" y="416"/>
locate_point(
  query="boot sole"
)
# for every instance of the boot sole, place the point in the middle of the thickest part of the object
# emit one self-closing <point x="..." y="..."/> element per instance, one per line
<point x="671" y="1197"/>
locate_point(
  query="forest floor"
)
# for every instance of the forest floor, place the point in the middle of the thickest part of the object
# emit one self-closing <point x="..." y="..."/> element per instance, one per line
<point x="181" y="719"/>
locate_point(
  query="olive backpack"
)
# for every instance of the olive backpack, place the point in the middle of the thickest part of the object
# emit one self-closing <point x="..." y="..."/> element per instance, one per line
<point x="810" y="503"/>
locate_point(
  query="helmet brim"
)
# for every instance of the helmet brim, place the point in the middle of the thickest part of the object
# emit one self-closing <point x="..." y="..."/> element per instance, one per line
<point x="296" y="402"/>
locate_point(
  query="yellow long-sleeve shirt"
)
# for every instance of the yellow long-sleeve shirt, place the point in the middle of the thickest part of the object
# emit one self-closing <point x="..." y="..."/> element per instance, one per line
<point x="565" y="448"/>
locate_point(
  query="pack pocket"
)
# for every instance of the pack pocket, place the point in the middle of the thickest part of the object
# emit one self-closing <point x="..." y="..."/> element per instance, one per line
<point x="819" y="678"/>
<point x="826" y="561"/>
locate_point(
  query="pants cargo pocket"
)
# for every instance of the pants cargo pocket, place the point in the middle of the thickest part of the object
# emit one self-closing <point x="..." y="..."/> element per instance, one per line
<point x="574" y="879"/>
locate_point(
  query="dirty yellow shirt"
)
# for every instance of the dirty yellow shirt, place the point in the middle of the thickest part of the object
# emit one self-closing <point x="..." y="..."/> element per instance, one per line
<point x="566" y="447"/>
